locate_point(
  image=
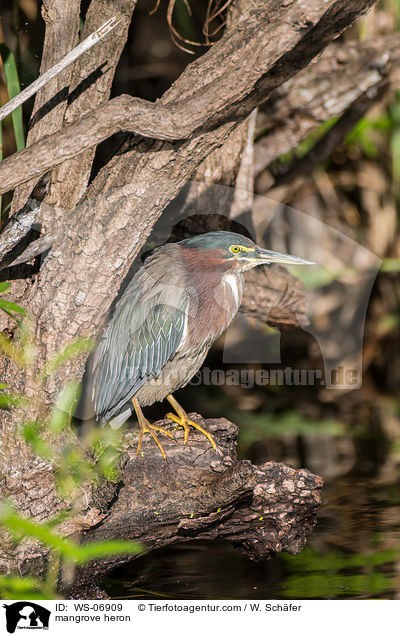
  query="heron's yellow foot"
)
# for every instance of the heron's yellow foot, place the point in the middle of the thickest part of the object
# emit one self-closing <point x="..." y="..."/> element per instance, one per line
<point x="184" y="420"/>
<point x="146" y="427"/>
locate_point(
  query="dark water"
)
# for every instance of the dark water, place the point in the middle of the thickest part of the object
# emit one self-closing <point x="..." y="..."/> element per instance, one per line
<point x="353" y="553"/>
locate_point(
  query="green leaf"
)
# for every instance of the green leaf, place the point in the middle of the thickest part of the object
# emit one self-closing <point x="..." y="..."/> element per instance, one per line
<point x="1" y="159"/>
<point x="63" y="409"/>
<point x="395" y="148"/>
<point x="13" y="352"/>
<point x="9" y="306"/>
<point x="68" y="549"/>
<point x="107" y="548"/>
<point x="14" y="88"/>
<point x="18" y="526"/>
<point x="387" y="323"/>
<point x="7" y="400"/>
<point x="83" y="345"/>
<point x="32" y="435"/>
<point x="315" y="277"/>
<point x="24" y="588"/>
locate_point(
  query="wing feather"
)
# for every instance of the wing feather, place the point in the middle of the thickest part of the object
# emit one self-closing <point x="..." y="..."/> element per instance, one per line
<point x="144" y="333"/>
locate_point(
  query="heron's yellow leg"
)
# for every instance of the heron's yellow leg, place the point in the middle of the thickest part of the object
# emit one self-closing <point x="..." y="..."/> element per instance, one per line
<point x="146" y="427"/>
<point x="184" y="420"/>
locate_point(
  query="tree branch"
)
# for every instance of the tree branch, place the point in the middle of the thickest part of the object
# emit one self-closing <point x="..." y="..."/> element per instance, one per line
<point x="101" y="236"/>
<point x="271" y="43"/>
<point x="207" y="495"/>
<point x="327" y="144"/>
<point x="345" y="73"/>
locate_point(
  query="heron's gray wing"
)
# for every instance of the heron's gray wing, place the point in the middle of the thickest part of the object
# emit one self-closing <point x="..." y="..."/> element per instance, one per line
<point x="144" y="333"/>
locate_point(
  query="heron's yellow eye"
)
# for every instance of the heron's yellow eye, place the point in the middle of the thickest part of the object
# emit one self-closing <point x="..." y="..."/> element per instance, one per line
<point x="235" y="249"/>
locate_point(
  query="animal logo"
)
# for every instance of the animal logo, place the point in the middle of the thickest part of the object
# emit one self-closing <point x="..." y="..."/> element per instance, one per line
<point x="26" y="615"/>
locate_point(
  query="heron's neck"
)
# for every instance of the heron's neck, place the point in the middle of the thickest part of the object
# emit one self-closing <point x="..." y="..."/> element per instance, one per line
<point x="233" y="281"/>
<point x="216" y="285"/>
<point x="208" y="272"/>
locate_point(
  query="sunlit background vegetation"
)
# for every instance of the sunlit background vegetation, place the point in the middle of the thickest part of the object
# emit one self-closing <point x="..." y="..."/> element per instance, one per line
<point x="350" y="438"/>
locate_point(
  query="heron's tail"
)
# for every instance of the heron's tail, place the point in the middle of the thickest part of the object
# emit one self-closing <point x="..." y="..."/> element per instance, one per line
<point x="117" y="421"/>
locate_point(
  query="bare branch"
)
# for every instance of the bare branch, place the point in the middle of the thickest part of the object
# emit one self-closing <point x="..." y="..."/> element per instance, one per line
<point x="345" y="72"/>
<point x="18" y="227"/>
<point x="327" y="144"/>
<point x="271" y="43"/>
<point x="73" y="55"/>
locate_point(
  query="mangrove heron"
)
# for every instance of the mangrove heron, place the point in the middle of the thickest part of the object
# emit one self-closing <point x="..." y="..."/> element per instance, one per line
<point x="178" y="303"/>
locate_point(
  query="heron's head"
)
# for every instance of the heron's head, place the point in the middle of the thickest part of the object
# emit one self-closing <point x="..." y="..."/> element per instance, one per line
<point x="235" y="251"/>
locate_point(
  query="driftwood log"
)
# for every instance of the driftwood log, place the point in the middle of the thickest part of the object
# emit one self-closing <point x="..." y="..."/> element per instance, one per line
<point x="198" y="493"/>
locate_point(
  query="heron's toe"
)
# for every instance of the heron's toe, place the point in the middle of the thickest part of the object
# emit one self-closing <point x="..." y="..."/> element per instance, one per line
<point x="186" y="423"/>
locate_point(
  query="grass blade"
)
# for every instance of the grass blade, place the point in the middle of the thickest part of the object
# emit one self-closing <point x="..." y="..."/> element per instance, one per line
<point x="14" y="88"/>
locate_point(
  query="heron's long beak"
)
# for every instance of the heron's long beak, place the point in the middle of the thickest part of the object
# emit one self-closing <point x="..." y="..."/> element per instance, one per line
<point x="266" y="256"/>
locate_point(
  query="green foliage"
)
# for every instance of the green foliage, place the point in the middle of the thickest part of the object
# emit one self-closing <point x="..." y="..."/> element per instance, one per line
<point x="18" y="588"/>
<point x="315" y="277"/>
<point x="307" y="144"/>
<point x="370" y="133"/>
<point x="8" y="400"/>
<point x="390" y="265"/>
<point x="83" y="345"/>
<point x="13" y="87"/>
<point x="1" y="159"/>
<point x="388" y="323"/>
<point x="364" y="134"/>
<point x="62" y="551"/>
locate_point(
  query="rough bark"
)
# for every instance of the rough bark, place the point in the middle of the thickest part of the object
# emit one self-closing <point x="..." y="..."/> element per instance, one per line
<point x="90" y="87"/>
<point x="115" y="217"/>
<point x="158" y="170"/>
<point x="348" y="75"/>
